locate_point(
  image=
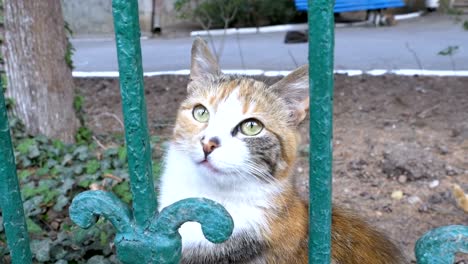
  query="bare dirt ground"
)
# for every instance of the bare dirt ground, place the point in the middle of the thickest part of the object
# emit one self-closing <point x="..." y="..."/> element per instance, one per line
<point x="391" y="134"/>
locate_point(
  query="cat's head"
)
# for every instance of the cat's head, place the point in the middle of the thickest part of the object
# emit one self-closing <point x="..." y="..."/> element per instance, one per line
<point x="235" y="127"/>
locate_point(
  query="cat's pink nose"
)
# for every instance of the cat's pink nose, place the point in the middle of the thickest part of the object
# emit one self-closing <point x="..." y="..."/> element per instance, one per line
<point x="211" y="145"/>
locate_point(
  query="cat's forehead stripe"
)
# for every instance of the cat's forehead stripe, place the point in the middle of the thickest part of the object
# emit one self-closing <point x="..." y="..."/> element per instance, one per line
<point x="245" y="107"/>
<point x="211" y="100"/>
<point x="226" y="89"/>
<point x="244" y="90"/>
<point x="230" y="105"/>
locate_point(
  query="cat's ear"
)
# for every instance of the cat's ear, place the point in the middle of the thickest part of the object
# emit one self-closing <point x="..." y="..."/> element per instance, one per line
<point x="294" y="89"/>
<point x="203" y="62"/>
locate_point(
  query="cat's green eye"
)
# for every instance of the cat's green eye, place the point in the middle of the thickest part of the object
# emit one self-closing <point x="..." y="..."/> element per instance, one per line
<point x="251" y="127"/>
<point x="201" y="114"/>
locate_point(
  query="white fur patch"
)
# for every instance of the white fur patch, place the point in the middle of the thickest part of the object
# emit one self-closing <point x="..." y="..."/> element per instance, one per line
<point x="246" y="200"/>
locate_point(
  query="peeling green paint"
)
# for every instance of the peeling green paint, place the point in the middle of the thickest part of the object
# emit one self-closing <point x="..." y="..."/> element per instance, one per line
<point x="159" y="242"/>
<point x="127" y="35"/>
<point x="10" y="196"/>
<point x="440" y="245"/>
<point x="321" y="45"/>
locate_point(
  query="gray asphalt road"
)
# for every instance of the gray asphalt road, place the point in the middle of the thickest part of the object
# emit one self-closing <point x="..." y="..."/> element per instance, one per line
<point x="412" y="44"/>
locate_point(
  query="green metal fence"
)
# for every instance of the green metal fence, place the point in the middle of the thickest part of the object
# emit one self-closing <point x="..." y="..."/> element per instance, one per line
<point x="147" y="236"/>
<point x="321" y="48"/>
<point x="10" y="196"/>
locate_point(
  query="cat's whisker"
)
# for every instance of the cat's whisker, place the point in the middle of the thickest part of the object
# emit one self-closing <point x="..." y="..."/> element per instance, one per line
<point x="261" y="173"/>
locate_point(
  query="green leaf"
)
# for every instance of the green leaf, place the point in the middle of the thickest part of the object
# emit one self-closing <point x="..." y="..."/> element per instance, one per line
<point x="59" y="253"/>
<point x="44" y="188"/>
<point x="24" y="174"/>
<point x="33" y="228"/>
<point x="33" y="152"/>
<point x="9" y="103"/>
<point x="69" y="55"/>
<point x="57" y="169"/>
<point x="4" y="81"/>
<point x="98" y="260"/>
<point x="66" y="227"/>
<point x="33" y="206"/>
<point x="50" y="196"/>
<point x="42" y="139"/>
<point x="103" y="238"/>
<point x="85" y="183"/>
<point x="62" y="201"/>
<point x="42" y="171"/>
<point x="58" y="144"/>
<point x="51" y="163"/>
<point x="123" y="154"/>
<point x="105" y="165"/>
<point x="449" y="51"/>
<point x="78" y="103"/>
<point x="92" y="166"/>
<point x="24" y="145"/>
<point x="122" y="190"/>
<point x="41" y="249"/>
<point x="78" y="169"/>
<point x="116" y="163"/>
<point x="81" y="152"/>
<point x="67" y="185"/>
<point x="50" y="151"/>
<point x="67" y="159"/>
<point x="110" y="152"/>
<point x="80" y="235"/>
<point x="156" y="169"/>
<point x="25" y="162"/>
<point x="84" y="135"/>
<point x="28" y="192"/>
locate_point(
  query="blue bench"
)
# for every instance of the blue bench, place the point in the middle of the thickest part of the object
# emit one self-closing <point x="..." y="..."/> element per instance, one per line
<point x="356" y="5"/>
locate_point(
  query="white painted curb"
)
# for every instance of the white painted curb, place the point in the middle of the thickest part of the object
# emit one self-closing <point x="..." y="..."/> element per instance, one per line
<point x="376" y="72"/>
<point x="408" y="16"/>
<point x="250" y="30"/>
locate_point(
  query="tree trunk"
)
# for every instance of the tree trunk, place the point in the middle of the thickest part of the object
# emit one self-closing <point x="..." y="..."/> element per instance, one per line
<point x="39" y="80"/>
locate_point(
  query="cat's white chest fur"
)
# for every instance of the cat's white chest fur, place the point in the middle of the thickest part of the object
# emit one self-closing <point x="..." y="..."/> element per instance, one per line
<point x="245" y="203"/>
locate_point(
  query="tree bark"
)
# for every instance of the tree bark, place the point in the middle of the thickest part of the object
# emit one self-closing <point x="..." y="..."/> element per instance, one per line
<point x="39" y="80"/>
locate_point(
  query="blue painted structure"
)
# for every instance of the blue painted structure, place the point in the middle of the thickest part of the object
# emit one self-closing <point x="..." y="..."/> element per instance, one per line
<point x="355" y="5"/>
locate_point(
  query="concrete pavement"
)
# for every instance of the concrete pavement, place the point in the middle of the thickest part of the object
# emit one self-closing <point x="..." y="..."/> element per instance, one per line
<point x="412" y="44"/>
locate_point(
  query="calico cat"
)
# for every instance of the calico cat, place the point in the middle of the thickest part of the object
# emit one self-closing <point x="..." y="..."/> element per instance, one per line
<point x="235" y="142"/>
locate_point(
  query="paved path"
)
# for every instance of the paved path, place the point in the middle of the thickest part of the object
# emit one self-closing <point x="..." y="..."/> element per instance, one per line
<point x="412" y="44"/>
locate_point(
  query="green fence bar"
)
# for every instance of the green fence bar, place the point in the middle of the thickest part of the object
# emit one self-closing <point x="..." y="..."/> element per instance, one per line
<point x="440" y="245"/>
<point x="321" y="44"/>
<point x="127" y="34"/>
<point x="10" y="196"/>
